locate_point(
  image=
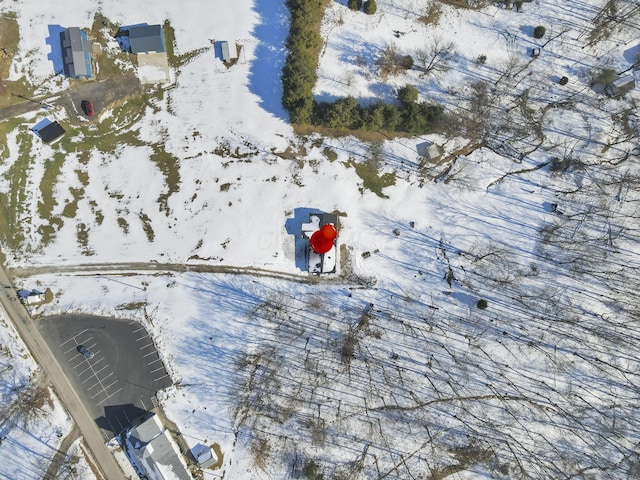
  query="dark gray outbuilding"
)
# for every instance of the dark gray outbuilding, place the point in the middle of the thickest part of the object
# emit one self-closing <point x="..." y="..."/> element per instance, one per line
<point x="146" y="39"/>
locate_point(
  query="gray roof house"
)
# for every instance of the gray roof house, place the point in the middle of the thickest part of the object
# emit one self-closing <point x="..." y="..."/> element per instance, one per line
<point x="156" y="452"/>
<point x="146" y="39"/>
<point x="76" y="53"/>
<point x="621" y="85"/>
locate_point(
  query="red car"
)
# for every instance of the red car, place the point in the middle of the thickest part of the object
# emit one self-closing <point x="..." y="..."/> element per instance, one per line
<point x="87" y="107"/>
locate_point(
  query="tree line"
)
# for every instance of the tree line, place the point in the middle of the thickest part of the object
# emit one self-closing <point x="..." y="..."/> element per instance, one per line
<point x="299" y="77"/>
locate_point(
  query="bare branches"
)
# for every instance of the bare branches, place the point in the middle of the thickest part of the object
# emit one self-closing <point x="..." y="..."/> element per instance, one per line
<point x="436" y="57"/>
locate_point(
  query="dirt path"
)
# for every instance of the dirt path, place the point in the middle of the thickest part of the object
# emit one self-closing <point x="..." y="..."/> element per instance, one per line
<point x="61" y="454"/>
<point x="135" y="268"/>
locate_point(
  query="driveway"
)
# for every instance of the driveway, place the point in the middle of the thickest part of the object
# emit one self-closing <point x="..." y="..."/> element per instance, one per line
<point x="101" y="93"/>
<point x="118" y="384"/>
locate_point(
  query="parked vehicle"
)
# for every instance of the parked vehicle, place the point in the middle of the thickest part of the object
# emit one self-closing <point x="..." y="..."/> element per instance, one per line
<point x="85" y="351"/>
<point x="87" y="107"/>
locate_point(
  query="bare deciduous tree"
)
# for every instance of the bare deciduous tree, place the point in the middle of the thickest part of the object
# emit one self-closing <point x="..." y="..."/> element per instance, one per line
<point x="437" y="56"/>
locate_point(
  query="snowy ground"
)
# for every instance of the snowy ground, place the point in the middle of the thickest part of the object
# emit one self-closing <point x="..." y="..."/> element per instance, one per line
<point x="540" y="222"/>
<point x="32" y="421"/>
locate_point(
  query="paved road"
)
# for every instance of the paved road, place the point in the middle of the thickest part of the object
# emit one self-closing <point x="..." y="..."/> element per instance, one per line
<point x="65" y="391"/>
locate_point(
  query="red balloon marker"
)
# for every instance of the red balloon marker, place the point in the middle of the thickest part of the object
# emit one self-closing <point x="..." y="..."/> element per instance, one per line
<point x="322" y="240"/>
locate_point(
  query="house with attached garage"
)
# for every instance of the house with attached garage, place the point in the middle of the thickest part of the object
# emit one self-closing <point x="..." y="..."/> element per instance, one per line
<point x="151" y="448"/>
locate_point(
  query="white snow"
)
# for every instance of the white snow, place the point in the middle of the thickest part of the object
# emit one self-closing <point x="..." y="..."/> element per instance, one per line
<point x="272" y="366"/>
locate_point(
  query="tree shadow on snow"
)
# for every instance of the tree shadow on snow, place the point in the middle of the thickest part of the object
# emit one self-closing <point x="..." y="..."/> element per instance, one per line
<point x="266" y="69"/>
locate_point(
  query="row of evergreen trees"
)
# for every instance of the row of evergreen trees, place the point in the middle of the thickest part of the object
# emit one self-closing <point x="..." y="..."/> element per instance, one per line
<point x="299" y="71"/>
<point x="299" y="77"/>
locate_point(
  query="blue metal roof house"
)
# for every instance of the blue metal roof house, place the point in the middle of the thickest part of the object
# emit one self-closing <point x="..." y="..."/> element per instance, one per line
<point x="76" y="53"/>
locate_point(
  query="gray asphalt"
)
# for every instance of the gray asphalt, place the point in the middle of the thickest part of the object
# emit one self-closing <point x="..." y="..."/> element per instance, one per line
<point x="103" y="459"/>
<point x="118" y="384"/>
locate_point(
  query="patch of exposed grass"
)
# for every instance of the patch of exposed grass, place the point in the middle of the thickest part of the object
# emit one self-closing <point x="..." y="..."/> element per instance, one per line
<point x="124" y="225"/>
<point x="169" y="165"/>
<point x="9" y="40"/>
<point x="182" y="60"/>
<point x="371" y="179"/>
<point x="82" y="235"/>
<point x="169" y="42"/>
<point x="52" y="168"/>
<point x="331" y="155"/>
<point x="71" y="208"/>
<point x="7" y="126"/>
<point x="11" y="204"/>
<point x="48" y="232"/>
<point x="147" y="227"/>
<point x="110" y="63"/>
<point x="431" y="15"/>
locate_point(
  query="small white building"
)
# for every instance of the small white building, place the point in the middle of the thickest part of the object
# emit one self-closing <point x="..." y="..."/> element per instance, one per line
<point x="205" y="456"/>
<point x="31" y="297"/>
<point x="228" y="52"/>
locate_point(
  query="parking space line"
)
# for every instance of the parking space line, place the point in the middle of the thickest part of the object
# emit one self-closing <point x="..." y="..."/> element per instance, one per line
<point x="101" y="402"/>
<point x="150" y="353"/>
<point x="160" y="378"/>
<point x="92" y="386"/>
<point x="111" y="385"/>
<point x="72" y="338"/>
<point x="90" y="367"/>
<point x="79" y="363"/>
<point x="93" y="373"/>
<point x="147" y="346"/>
<point x="155" y="361"/>
<point x="157" y="370"/>
<point x="145" y="337"/>
<point x="137" y="330"/>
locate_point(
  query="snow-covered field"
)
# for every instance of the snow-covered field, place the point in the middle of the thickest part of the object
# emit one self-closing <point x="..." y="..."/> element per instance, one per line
<point x="535" y="214"/>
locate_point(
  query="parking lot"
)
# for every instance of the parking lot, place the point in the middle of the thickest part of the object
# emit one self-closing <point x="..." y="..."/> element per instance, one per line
<point x="118" y="379"/>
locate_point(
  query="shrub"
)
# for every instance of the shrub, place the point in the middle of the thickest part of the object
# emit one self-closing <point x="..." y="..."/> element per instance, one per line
<point x="370" y="7"/>
<point x="407" y="94"/>
<point x="605" y="76"/>
<point x="563" y="81"/>
<point x="354" y="4"/>
<point x="406" y="62"/>
<point x="482" y="59"/>
<point x="539" y="31"/>
<point x="482" y="304"/>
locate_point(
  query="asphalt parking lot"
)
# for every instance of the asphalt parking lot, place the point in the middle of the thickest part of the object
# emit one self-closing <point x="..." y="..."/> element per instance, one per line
<point x="119" y="382"/>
